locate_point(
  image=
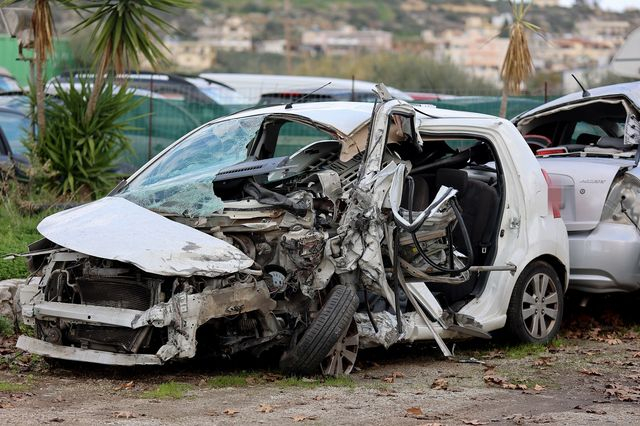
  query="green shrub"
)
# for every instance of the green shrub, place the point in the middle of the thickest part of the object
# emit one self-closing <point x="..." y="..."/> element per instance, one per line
<point x="79" y="155"/>
<point x="6" y="327"/>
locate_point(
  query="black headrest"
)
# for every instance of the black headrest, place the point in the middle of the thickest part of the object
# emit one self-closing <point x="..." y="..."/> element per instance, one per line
<point x="453" y="178"/>
<point x="587" y="139"/>
<point x="616" y="143"/>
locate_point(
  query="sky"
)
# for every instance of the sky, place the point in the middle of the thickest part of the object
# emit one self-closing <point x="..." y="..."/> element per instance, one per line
<point x="617" y="5"/>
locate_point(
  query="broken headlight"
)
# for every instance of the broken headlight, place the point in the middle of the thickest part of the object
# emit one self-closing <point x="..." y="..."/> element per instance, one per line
<point x="622" y="205"/>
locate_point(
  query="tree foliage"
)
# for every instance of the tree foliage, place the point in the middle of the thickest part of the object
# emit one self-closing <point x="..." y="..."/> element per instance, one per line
<point x="123" y="32"/>
<point x="407" y="72"/>
<point x="79" y="153"/>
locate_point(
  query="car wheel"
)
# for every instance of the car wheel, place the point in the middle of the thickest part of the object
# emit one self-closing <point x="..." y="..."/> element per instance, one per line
<point x="536" y="305"/>
<point x="342" y="357"/>
<point x="329" y="326"/>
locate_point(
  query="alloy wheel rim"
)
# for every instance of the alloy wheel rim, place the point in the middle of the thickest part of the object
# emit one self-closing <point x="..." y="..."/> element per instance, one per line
<point x="342" y="357"/>
<point x="540" y="305"/>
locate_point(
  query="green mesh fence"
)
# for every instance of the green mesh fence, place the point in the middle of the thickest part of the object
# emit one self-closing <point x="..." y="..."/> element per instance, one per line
<point x="158" y="122"/>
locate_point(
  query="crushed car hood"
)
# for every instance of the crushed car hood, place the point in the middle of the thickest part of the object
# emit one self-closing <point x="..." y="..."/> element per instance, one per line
<point x="116" y="229"/>
<point x="584" y="184"/>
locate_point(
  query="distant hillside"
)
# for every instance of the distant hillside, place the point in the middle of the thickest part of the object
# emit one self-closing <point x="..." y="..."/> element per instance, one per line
<point x="405" y="18"/>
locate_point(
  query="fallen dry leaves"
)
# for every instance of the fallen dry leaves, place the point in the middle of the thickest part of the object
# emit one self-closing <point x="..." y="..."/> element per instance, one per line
<point x="125" y="386"/>
<point x="590" y="372"/>
<point x="392" y="378"/>
<point x="124" y="415"/>
<point x="265" y="408"/>
<point x="543" y="361"/>
<point x="440" y="384"/>
<point x="230" y="412"/>
<point x="623" y="393"/>
<point x="491" y="378"/>
<point x="301" y="418"/>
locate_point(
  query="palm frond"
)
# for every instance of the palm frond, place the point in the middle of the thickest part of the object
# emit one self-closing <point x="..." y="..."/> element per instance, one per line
<point x="518" y="63"/>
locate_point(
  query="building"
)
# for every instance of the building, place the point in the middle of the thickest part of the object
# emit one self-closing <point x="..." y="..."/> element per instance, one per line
<point x="192" y="55"/>
<point x="565" y="53"/>
<point x="346" y="40"/>
<point x="277" y="46"/>
<point x="228" y="34"/>
<point x="476" y="49"/>
<point x="604" y="31"/>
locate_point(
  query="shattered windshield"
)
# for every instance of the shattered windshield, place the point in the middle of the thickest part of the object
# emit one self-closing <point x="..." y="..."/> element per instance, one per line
<point x="180" y="182"/>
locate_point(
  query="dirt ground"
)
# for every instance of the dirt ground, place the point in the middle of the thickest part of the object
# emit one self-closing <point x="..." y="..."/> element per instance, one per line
<point x="590" y="375"/>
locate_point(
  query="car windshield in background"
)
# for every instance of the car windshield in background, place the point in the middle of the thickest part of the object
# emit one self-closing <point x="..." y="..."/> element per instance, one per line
<point x="180" y="181"/>
<point x="223" y="95"/>
<point x="15" y="127"/>
<point x="8" y="84"/>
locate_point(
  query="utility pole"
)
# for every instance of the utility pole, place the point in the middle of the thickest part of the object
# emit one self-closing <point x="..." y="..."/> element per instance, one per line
<point x="287" y="34"/>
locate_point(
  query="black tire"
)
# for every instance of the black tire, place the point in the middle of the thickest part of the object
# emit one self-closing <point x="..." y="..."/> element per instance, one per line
<point x="536" y="305"/>
<point x="325" y="330"/>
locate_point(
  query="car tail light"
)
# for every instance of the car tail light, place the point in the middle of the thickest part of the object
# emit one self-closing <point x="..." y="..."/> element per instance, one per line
<point x="622" y="205"/>
<point x="554" y="195"/>
<point x="550" y="151"/>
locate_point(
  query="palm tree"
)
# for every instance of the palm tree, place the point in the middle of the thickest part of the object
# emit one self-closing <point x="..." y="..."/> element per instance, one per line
<point x="518" y="64"/>
<point x="123" y="32"/>
<point x="42" y="29"/>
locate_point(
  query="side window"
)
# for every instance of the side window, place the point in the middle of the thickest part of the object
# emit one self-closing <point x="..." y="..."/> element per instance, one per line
<point x="462" y="144"/>
<point x="293" y="136"/>
<point x="583" y="128"/>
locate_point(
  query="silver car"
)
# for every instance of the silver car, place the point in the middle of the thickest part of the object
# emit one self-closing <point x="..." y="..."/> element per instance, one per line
<point x="587" y="143"/>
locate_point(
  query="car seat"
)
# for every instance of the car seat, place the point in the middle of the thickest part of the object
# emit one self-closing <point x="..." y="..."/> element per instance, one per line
<point x="479" y="204"/>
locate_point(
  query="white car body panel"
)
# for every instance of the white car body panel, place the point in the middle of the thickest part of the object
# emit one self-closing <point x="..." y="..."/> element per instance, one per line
<point x="525" y="203"/>
<point x="116" y="229"/>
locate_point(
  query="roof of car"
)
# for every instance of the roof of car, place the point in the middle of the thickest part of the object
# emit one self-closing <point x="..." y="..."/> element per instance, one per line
<point x="629" y="90"/>
<point x="320" y="91"/>
<point x="345" y="116"/>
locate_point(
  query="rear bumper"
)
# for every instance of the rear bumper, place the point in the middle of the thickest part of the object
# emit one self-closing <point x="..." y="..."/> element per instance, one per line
<point x="606" y="259"/>
<point x="85" y="355"/>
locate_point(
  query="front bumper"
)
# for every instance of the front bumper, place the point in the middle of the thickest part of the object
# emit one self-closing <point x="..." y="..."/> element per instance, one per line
<point x="606" y="259"/>
<point x="41" y="347"/>
<point x="181" y="316"/>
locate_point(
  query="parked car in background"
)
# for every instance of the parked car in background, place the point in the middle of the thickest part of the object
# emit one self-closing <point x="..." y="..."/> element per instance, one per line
<point x="253" y="86"/>
<point x="220" y="93"/>
<point x="378" y="226"/>
<point x="14" y="130"/>
<point x="8" y="84"/>
<point x="588" y="143"/>
<point x="326" y="94"/>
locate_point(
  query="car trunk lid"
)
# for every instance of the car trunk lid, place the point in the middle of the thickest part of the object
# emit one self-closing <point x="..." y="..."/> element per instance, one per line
<point x="584" y="184"/>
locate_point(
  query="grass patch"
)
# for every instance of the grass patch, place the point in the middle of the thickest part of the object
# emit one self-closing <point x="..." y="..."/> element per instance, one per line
<point x="168" y="390"/>
<point x="234" y="381"/>
<point x="310" y="383"/>
<point x="6" y="327"/>
<point x="524" y="350"/>
<point x="13" y="387"/>
<point x="17" y="230"/>
<point x="558" y="342"/>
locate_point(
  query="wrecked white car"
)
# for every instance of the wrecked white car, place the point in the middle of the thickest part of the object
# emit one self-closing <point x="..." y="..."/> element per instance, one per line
<point x="380" y="223"/>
